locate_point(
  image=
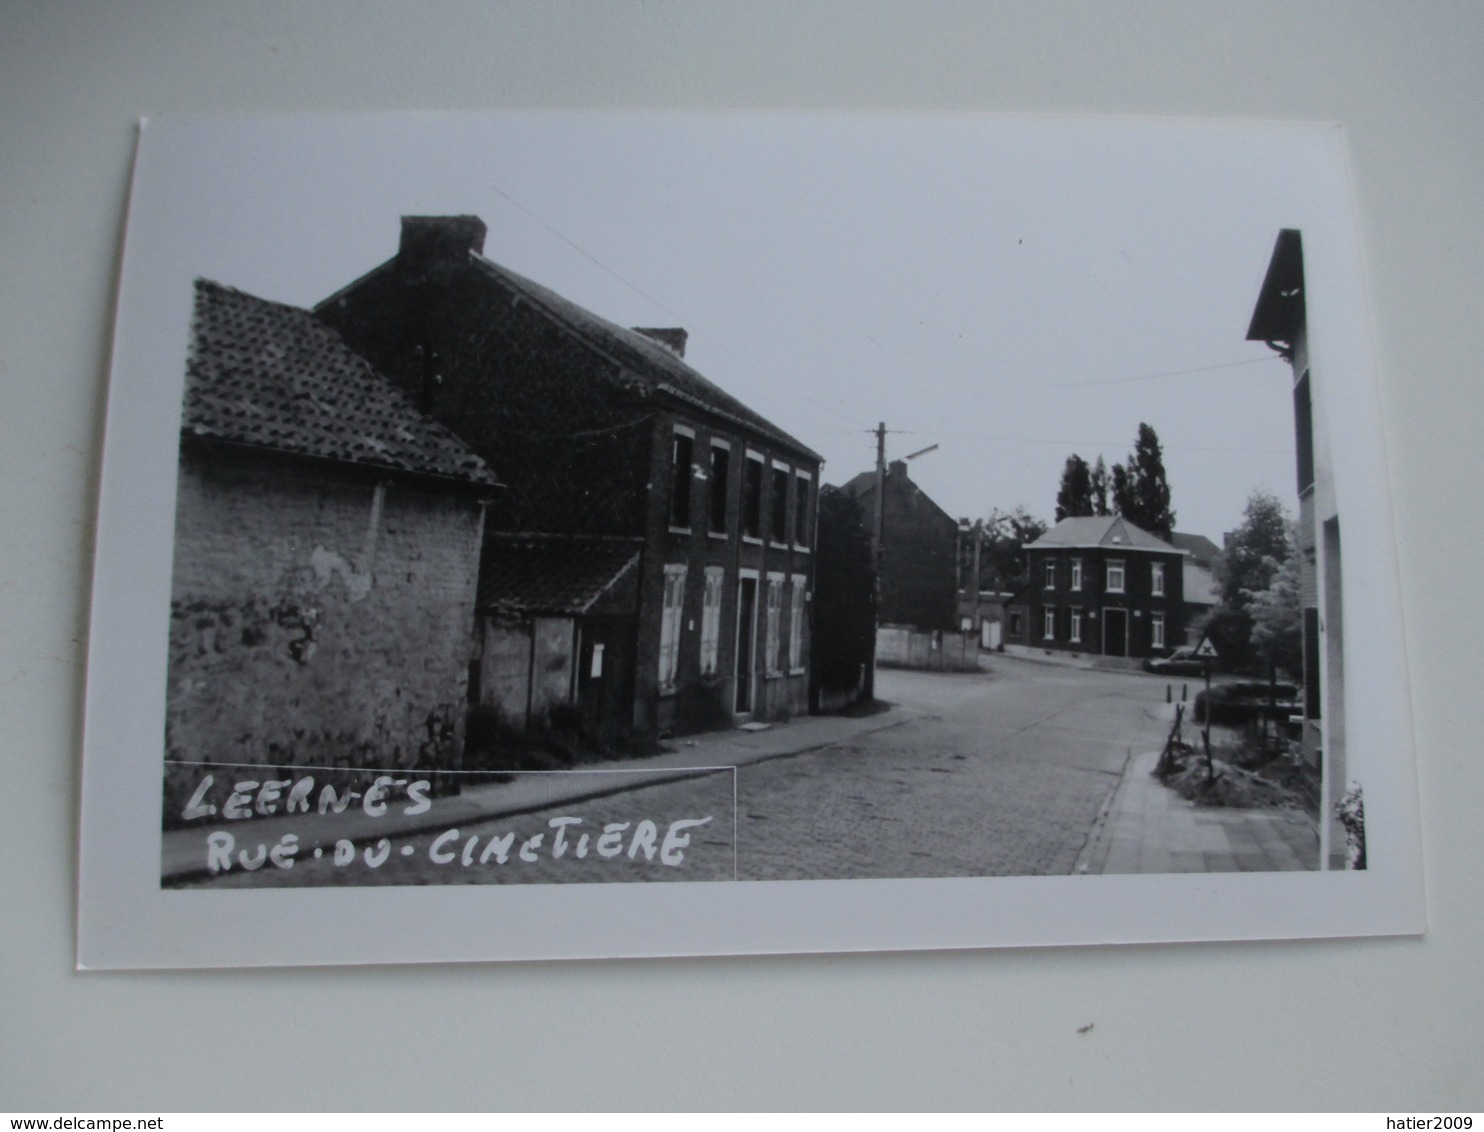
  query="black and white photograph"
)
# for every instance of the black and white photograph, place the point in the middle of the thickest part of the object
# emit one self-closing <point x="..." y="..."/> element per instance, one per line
<point x="570" y="502"/>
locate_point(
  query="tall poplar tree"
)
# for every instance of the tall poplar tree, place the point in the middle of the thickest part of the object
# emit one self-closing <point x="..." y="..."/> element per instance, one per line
<point x="1075" y="497"/>
<point x="1141" y="494"/>
<point x="1100" y="486"/>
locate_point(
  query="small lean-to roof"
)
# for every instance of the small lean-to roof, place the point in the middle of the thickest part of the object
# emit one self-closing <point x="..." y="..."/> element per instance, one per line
<point x="1100" y="532"/>
<point x="271" y="376"/>
<point x="557" y="574"/>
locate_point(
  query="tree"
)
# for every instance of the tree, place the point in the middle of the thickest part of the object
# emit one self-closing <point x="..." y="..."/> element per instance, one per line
<point x="1075" y="495"/>
<point x="1141" y="493"/>
<point x="1255" y="554"/>
<point x="1100" y="486"/>
<point x="1255" y="549"/>
<point x="1278" y="616"/>
<point x="1003" y="564"/>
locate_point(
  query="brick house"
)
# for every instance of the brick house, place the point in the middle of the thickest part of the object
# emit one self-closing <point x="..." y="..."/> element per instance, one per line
<point x="1280" y="319"/>
<point x="1099" y="585"/>
<point x="919" y="551"/>
<point x="605" y="433"/>
<point x="326" y="553"/>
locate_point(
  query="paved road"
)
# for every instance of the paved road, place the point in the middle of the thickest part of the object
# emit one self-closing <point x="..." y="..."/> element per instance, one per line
<point x="999" y="773"/>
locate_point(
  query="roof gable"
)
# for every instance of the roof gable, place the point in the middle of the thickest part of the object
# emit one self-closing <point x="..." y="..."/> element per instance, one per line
<point x="272" y="376"/>
<point x="1102" y="532"/>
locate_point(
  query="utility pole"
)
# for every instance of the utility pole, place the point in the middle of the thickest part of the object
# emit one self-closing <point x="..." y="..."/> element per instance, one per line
<point x="974" y="579"/>
<point x="878" y="529"/>
<point x="876" y="541"/>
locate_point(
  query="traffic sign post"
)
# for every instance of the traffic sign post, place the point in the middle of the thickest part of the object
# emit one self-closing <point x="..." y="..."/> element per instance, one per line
<point x="1207" y="653"/>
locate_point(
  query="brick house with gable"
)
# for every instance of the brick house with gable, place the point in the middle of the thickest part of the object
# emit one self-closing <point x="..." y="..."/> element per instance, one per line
<point x="919" y="551"/>
<point x="1101" y="586"/>
<point x="326" y="555"/>
<point x="603" y="432"/>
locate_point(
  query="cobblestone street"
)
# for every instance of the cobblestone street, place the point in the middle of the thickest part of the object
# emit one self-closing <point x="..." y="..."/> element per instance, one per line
<point x="999" y="773"/>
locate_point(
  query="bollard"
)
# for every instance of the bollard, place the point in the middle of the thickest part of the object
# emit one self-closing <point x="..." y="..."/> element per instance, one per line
<point x="1168" y="694"/>
<point x="1184" y="692"/>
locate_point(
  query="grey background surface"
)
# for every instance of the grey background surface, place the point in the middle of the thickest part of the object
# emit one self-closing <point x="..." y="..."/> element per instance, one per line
<point x="1372" y="1024"/>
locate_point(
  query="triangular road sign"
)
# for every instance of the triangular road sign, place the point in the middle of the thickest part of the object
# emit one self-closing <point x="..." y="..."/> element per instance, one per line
<point x="1205" y="648"/>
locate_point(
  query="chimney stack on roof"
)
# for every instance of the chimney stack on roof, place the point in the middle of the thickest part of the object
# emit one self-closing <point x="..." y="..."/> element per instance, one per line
<point x="433" y="241"/>
<point x="671" y="337"/>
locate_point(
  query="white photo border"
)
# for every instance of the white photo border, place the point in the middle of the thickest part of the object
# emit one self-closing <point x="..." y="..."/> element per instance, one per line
<point x="126" y="920"/>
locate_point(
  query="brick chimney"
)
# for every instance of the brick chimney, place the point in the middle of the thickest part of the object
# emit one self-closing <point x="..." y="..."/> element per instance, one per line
<point x="433" y="242"/>
<point x="672" y="338"/>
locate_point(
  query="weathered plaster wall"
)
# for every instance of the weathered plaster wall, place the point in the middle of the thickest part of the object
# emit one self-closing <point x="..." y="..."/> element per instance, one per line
<point x="318" y="619"/>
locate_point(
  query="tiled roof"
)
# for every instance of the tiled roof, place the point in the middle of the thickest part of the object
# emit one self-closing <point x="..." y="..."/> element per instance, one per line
<point x="1202" y="549"/>
<point x="1111" y="531"/>
<point x="273" y="376"/>
<point x="551" y="573"/>
<point x="643" y="357"/>
<point x="863" y="483"/>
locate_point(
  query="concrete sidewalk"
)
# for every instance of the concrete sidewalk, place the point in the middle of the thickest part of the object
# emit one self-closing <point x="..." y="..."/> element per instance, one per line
<point x="183" y="855"/>
<point x="1148" y="828"/>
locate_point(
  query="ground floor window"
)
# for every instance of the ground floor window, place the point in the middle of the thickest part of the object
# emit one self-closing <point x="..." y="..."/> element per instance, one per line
<point x="1076" y="635"/>
<point x="671" y="620"/>
<point x="711" y="620"/>
<point x="796" y="623"/>
<point x="1157" y="630"/>
<point x="772" y="623"/>
<point x="1048" y="624"/>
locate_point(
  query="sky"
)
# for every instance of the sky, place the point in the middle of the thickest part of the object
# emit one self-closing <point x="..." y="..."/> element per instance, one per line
<point x="1012" y="290"/>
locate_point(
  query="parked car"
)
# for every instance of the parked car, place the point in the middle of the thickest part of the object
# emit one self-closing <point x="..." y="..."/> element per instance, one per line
<point x="1241" y="701"/>
<point x="1181" y="662"/>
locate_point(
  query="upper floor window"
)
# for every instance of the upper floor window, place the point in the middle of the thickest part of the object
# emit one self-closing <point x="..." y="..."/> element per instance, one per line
<point x="1115" y="576"/>
<point x="1303" y="427"/>
<point x="802" y="483"/>
<point x="1050" y="574"/>
<point x="778" y="528"/>
<point x="1157" y="579"/>
<point x="721" y="480"/>
<point x="1076" y="573"/>
<point x="752" y="498"/>
<point x="682" y="452"/>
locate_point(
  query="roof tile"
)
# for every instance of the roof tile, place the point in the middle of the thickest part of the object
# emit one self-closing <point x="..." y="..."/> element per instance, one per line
<point x="552" y="573"/>
<point x="273" y="376"/>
